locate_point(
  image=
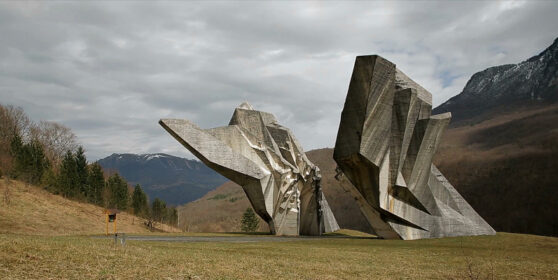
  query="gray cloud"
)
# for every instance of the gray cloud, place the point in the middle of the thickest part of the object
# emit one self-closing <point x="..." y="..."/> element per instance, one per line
<point x="110" y="70"/>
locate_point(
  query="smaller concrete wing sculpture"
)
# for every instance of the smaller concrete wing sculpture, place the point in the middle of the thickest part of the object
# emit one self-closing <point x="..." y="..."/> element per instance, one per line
<point x="264" y="158"/>
<point x="385" y="144"/>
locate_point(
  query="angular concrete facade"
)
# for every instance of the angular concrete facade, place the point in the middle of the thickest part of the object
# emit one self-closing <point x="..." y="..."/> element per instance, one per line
<point x="264" y="158"/>
<point x="385" y="145"/>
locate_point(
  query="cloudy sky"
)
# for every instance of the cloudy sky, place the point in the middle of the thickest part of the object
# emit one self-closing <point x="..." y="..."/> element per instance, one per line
<point x="111" y="70"/>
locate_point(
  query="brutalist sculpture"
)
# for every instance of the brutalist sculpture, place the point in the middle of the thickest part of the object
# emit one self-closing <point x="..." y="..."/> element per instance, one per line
<point x="265" y="158"/>
<point x="385" y="144"/>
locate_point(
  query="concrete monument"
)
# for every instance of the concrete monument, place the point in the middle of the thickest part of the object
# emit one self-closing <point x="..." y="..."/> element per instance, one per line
<point x="385" y="144"/>
<point x="264" y="158"/>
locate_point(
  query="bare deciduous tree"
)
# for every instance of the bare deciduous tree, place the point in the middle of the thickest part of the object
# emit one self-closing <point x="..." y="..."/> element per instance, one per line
<point x="13" y="120"/>
<point x="56" y="139"/>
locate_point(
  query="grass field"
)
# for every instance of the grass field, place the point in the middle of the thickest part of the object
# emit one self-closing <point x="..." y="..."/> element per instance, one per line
<point x="44" y="236"/>
<point x="504" y="256"/>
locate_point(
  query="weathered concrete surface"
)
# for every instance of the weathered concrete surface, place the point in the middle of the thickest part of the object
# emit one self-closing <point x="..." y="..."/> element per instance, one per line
<point x="264" y="158"/>
<point x="385" y="144"/>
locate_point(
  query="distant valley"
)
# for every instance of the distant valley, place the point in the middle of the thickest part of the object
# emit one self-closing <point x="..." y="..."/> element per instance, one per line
<point x="173" y="179"/>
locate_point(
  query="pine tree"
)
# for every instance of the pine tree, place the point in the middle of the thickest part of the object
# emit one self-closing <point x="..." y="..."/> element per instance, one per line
<point x="118" y="188"/>
<point x="16" y="145"/>
<point x="29" y="160"/>
<point x="96" y="183"/>
<point x="49" y="181"/>
<point x="158" y="210"/>
<point x="16" y="151"/>
<point x="68" y="180"/>
<point x="139" y="202"/>
<point x="249" y="222"/>
<point x="172" y="216"/>
<point x="38" y="163"/>
<point x="81" y="172"/>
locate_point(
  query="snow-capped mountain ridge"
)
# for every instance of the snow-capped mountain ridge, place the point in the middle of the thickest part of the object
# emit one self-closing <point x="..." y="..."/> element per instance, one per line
<point x="535" y="79"/>
<point x="173" y="179"/>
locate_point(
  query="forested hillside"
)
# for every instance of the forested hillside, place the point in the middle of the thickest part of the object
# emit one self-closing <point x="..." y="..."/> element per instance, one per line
<point x="506" y="168"/>
<point x="501" y="151"/>
<point x="47" y="154"/>
<point x="27" y="209"/>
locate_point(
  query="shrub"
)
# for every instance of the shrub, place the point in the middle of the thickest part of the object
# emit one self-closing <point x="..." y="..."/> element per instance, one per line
<point x="249" y="221"/>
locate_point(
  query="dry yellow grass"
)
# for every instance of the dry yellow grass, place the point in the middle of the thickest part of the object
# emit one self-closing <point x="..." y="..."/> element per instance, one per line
<point x="32" y="210"/>
<point x="220" y="210"/>
<point x="33" y="255"/>
<point x="504" y="256"/>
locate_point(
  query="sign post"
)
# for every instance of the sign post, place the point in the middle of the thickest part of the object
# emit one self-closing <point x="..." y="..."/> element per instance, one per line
<point x="106" y="215"/>
<point x="111" y="218"/>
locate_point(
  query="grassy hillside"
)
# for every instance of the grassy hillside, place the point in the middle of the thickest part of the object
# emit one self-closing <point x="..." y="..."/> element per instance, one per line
<point x="26" y="209"/>
<point x="219" y="210"/>
<point x="504" y="256"/>
<point x="506" y="167"/>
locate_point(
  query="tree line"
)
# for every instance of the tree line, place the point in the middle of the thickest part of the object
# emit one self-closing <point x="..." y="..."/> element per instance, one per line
<point x="47" y="154"/>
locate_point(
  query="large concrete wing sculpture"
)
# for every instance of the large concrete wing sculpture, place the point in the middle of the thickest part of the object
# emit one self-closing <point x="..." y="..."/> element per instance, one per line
<point x="385" y="144"/>
<point x="265" y="158"/>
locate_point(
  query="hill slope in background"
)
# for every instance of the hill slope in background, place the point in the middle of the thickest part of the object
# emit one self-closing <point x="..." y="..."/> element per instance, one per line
<point x="534" y="81"/>
<point x="173" y="179"/>
<point x="221" y="210"/>
<point x="32" y="210"/>
<point x="506" y="168"/>
<point x="501" y="151"/>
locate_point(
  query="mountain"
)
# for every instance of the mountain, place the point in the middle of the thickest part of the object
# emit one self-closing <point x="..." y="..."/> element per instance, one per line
<point x="531" y="82"/>
<point x="175" y="180"/>
<point x="221" y="209"/>
<point x="501" y="150"/>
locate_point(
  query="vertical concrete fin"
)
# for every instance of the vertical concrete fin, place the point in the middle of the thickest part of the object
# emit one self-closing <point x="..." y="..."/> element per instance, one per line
<point x="385" y="144"/>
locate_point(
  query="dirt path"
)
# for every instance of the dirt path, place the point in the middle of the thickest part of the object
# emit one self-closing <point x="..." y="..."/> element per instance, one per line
<point x="233" y="239"/>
